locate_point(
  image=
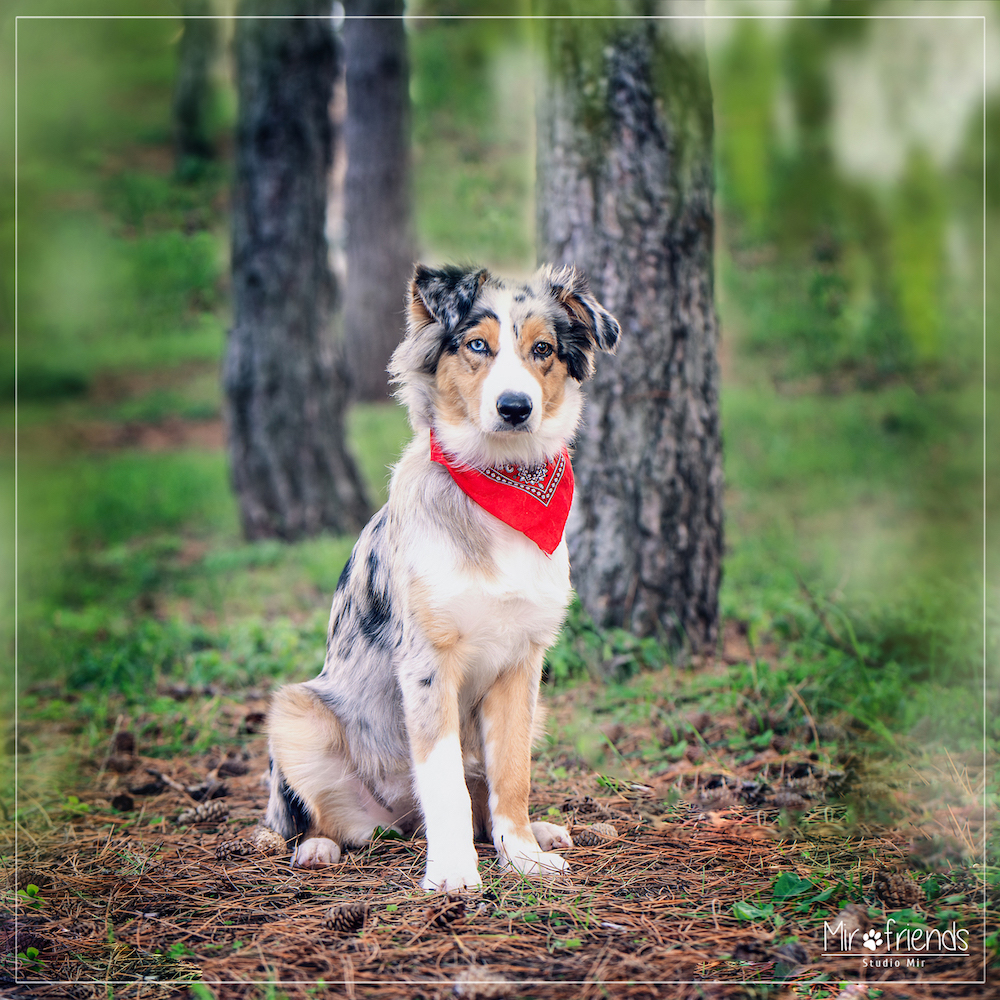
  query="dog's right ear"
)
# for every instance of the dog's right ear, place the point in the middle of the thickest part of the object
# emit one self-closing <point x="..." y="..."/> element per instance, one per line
<point x="437" y="301"/>
<point x="443" y="295"/>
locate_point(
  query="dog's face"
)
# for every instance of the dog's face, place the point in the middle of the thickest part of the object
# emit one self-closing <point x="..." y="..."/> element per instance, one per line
<point x="496" y="368"/>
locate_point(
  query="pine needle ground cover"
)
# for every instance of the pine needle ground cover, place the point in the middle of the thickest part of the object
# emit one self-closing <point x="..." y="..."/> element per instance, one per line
<point x="726" y="872"/>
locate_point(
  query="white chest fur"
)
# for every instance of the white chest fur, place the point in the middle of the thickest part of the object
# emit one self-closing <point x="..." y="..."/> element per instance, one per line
<point x="503" y="610"/>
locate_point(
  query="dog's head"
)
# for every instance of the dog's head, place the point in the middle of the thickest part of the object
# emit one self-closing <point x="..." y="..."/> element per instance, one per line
<point x="494" y="368"/>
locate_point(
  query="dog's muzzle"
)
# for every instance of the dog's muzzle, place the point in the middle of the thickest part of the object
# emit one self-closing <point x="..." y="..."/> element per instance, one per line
<point x="514" y="407"/>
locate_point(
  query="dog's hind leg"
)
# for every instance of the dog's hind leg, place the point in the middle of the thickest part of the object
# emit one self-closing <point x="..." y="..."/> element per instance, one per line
<point x="286" y="812"/>
<point x="316" y="795"/>
<point x="289" y="816"/>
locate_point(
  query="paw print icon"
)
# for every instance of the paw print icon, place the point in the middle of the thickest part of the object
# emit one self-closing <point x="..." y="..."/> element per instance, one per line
<point x="872" y="940"/>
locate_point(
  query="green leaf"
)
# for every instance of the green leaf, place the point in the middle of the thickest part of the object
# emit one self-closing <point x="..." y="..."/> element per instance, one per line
<point x="747" y="911"/>
<point x="789" y="885"/>
<point x="32" y="896"/>
<point x="819" y="898"/>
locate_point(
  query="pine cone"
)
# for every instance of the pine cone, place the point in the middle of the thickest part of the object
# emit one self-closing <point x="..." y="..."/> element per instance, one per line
<point x="851" y="919"/>
<point x="897" y="890"/>
<point x="346" y="918"/>
<point x="213" y="811"/>
<point x="477" y="981"/>
<point x="233" y="766"/>
<point x="120" y="762"/>
<point x="442" y="915"/>
<point x="227" y="850"/>
<point x="594" y="835"/>
<point x="790" y="800"/>
<point x="751" y="951"/>
<point x="268" y="842"/>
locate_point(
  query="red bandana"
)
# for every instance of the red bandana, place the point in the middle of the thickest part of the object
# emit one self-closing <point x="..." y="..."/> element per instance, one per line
<point x="534" y="500"/>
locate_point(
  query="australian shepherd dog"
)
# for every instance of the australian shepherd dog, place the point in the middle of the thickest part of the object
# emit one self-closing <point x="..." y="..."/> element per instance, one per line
<point x="424" y="713"/>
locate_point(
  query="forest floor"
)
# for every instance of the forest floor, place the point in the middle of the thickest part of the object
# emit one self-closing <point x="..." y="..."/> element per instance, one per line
<point x="725" y="874"/>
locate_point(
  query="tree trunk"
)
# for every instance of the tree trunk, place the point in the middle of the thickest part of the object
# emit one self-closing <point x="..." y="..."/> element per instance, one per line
<point x="193" y="88"/>
<point x="285" y="389"/>
<point x="376" y="190"/>
<point x="625" y="191"/>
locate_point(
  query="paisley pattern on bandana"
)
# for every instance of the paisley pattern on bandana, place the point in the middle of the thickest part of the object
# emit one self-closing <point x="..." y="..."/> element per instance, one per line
<point x="534" y="500"/>
<point x="540" y="481"/>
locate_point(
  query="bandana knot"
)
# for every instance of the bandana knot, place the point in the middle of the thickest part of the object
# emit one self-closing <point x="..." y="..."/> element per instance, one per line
<point x="532" y="499"/>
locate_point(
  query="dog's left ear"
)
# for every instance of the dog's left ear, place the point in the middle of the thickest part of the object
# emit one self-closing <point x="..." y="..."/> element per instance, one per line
<point x="569" y="287"/>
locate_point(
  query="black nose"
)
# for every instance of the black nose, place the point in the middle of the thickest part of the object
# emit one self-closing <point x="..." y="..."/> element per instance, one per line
<point x="514" y="407"/>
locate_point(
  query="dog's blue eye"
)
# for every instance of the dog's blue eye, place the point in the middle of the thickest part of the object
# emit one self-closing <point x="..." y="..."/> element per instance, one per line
<point x="478" y="345"/>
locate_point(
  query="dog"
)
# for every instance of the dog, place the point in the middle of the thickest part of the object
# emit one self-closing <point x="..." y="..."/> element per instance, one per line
<point x="426" y="707"/>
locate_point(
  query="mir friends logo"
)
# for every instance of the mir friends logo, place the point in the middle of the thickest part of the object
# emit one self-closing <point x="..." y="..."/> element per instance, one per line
<point x="897" y="945"/>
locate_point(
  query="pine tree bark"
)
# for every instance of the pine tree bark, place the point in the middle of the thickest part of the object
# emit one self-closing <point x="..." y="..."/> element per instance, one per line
<point x="284" y="384"/>
<point x="377" y="201"/>
<point x="624" y="190"/>
<point x="193" y="87"/>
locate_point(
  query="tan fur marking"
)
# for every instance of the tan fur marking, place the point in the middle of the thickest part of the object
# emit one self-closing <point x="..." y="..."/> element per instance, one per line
<point x="488" y="329"/>
<point x="296" y="718"/>
<point x="551" y="372"/>
<point x="442" y="634"/>
<point x="572" y="304"/>
<point x="507" y="717"/>
<point x="479" y="793"/>
<point x="419" y="314"/>
<point x="451" y="381"/>
<point x="424" y="738"/>
<point x="472" y="746"/>
<point x="453" y="657"/>
<point x="460" y="376"/>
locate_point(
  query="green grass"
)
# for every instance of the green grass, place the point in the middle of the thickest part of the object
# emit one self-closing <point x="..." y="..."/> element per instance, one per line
<point x="378" y="434"/>
<point x="93" y="300"/>
<point x="473" y="130"/>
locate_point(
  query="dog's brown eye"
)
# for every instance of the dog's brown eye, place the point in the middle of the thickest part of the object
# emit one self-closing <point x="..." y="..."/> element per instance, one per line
<point x="478" y="345"/>
<point x="542" y="349"/>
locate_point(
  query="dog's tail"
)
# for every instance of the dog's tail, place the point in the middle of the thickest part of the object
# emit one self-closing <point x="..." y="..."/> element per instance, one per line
<point x="286" y="813"/>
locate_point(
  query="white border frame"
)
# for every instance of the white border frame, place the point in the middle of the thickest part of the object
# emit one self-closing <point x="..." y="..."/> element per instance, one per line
<point x="410" y="17"/>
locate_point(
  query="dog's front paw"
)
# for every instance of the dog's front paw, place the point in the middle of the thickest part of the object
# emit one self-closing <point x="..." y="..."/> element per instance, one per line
<point x="550" y="836"/>
<point x="316" y="852"/>
<point x="445" y="875"/>
<point x="525" y="858"/>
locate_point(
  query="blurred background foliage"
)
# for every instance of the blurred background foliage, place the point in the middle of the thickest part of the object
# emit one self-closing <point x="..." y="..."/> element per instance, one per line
<point x="850" y="241"/>
<point x="875" y="226"/>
